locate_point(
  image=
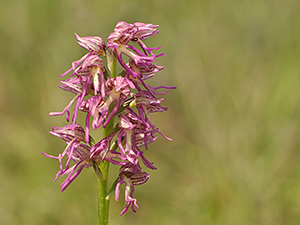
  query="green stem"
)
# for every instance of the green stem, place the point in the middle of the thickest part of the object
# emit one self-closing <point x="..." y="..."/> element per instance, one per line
<point x="103" y="198"/>
<point x="103" y="201"/>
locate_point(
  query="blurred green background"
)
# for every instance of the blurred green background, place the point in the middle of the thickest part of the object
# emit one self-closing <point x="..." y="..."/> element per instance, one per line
<point x="234" y="118"/>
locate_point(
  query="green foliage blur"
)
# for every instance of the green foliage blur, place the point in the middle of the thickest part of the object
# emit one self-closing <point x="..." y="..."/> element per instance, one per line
<point x="234" y="118"/>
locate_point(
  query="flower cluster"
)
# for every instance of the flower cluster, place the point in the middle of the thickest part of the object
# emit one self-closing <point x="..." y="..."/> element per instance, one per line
<point x="104" y="98"/>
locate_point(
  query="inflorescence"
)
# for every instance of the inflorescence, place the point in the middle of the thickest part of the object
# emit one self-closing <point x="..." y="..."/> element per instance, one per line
<point x="103" y="97"/>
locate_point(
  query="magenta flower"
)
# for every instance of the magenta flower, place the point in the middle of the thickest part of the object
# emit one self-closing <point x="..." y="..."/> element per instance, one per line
<point x="93" y="67"/>
<point x="135" y="132"/>
<point x="90" y="70"/>
<point x="118" y="42"/>
<point x="72" y="137"/>
<point x="131" y="175"/>
<point x="80" y="155"/>
<point x="74" y="85"/>
<point x="130" y="124"/>
<point x="95" y="46"/>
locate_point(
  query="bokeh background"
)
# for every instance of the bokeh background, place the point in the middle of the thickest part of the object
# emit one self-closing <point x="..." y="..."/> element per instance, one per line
<point x="234" y="118"/>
